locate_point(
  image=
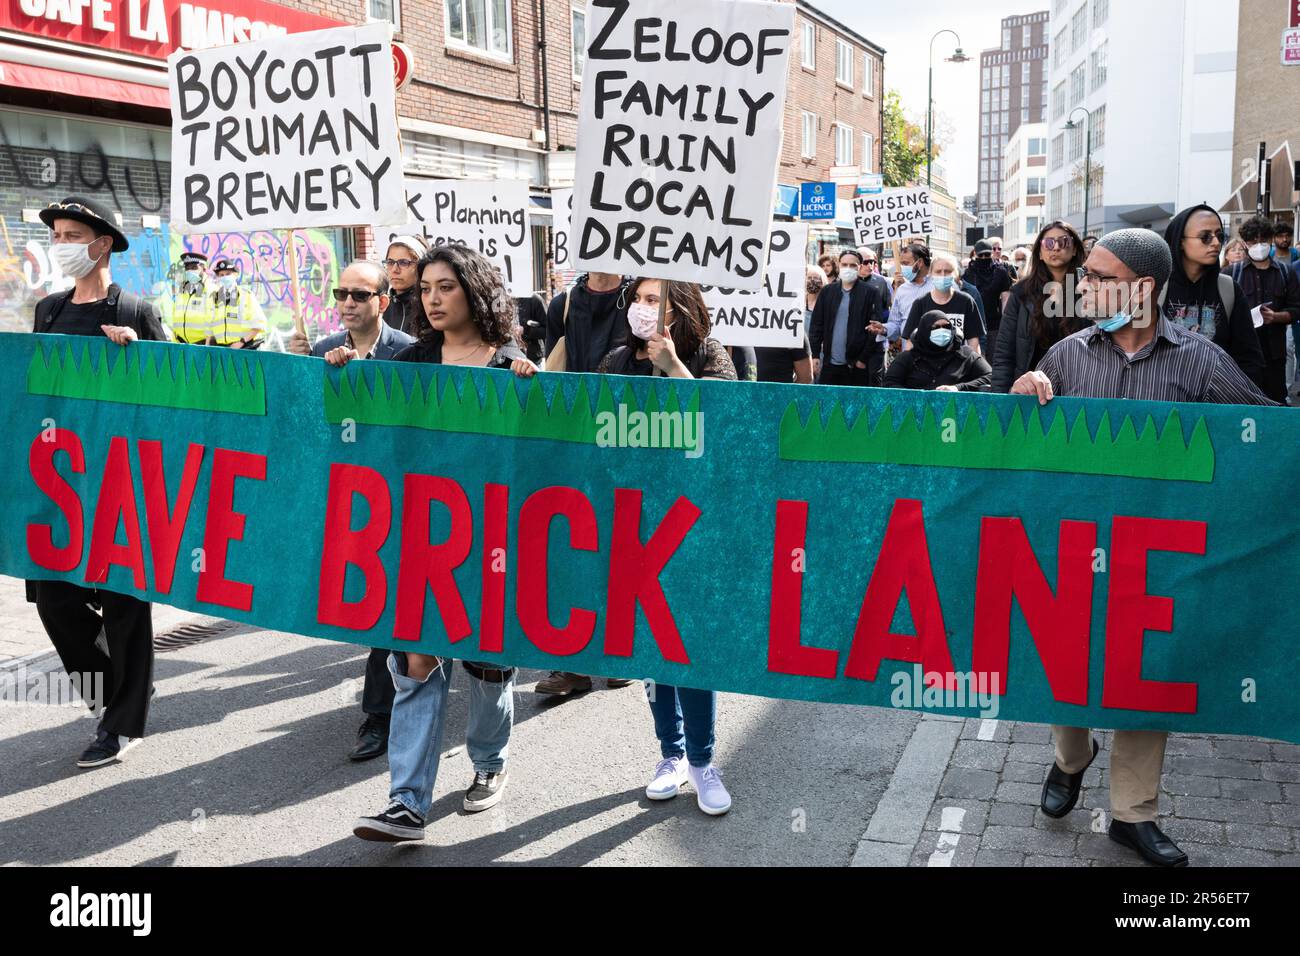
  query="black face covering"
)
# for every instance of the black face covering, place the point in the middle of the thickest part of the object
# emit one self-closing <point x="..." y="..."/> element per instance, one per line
<point x="921" y="341"/>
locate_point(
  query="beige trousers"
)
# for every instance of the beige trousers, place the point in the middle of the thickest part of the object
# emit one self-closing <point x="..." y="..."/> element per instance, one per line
<point x="1136" y="761"/>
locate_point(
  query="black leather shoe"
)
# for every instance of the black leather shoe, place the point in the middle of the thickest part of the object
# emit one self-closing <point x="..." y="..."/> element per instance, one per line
<point x="1061" y="789"/>
<point x="372" y="739"/>
<point x="1149" y="842"/>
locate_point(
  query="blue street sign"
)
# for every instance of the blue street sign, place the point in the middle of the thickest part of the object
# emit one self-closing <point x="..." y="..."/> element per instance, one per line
<point x="817" y="201"/>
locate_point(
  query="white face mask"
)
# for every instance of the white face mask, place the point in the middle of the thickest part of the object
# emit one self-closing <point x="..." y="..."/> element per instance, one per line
<point x="1260" y="251"/>
<point x="73" y="258"/>
<point x="643" y="320"/>
<point x="848" y="277"/>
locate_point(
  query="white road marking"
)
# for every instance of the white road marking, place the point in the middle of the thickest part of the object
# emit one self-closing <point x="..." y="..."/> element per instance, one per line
<point x="949" y="836"/>
<point x="988" y="728"/>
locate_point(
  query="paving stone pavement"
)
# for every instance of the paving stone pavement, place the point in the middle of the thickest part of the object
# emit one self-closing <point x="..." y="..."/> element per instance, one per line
<point x="1227" y="801"/>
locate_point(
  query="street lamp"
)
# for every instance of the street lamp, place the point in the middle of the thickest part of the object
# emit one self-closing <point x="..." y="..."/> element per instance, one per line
<point x="957" y="57"/>
<point x="1071" y="126"/>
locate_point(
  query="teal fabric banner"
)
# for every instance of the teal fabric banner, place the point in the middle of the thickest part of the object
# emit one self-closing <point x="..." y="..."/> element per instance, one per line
<point x="1100" y="563"/>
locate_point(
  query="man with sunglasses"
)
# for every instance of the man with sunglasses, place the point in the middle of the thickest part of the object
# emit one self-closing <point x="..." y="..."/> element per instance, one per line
<point x="362" y="297"/>
<point x="404" y="311"/>
<point x="869" y="272"/>
<point x="1131" y="352"/>
<point x="1202" y="299"/>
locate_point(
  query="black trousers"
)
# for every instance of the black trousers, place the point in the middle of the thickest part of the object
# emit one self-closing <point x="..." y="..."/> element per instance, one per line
<point x="869" y="377"/>
<point x="127" y="668"/>
<point x="1273" y="381"/>
<point x="377" y="694"/>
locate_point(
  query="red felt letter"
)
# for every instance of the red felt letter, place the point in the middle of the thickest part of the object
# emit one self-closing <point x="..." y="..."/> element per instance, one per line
<point x="427" y="566"/>
<point x="634" y="571"/>
<point x="40" y="537"/>
<point x="116" y="503"/>
<point x="496" y="518"/>
<point x="224" y="525"/>
<point x="1060" y="624"/>
<point x="166" y="526"/>
<point x="531" y="593"/>
<point x="903" y="565"/>
<point x="1130" y="612"/>
<point x="785" y="655"/>
<point x="360" y="548"/>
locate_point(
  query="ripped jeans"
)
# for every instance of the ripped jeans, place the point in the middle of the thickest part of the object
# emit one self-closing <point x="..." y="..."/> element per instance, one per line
<point x="415" y="734"/>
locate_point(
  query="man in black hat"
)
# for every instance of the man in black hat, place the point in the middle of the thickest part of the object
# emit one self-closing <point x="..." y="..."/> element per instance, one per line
<point x="84" y="237"/>
<point x="992" y="278"/>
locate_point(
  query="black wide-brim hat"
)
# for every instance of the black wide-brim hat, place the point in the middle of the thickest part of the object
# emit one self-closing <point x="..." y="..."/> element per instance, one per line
<point x="89" y="212"/>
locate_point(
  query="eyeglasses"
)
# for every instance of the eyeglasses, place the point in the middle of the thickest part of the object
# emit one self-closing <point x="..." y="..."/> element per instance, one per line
<point x="868" y="262"/>
<point x="1209" y="238"/>
<point x="400" y="263"/>
<point x="1087" y="275"/>
<point x="1063" y="244"/>
<point x="358" y="295"/>
<point x="984" y="255"/>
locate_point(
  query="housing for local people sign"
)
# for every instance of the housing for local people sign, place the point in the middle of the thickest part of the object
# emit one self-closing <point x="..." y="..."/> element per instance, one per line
<point x="1093" y="563"/>
<point x="773" y="316"/>
<point x="678" y="138"/>
<point x="892" y="215"/>
<point x="488" y="215"/>
<point x="289" y="132"/>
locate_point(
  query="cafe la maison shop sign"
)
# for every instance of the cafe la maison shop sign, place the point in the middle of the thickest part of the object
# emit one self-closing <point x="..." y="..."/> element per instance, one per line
<point x="154" y="28"/>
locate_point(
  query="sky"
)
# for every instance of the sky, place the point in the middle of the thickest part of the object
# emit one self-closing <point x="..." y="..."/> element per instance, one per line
<point x="904" y="30"/>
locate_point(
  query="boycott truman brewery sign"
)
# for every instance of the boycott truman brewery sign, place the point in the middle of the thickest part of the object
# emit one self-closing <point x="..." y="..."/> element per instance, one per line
<point x="489" y="216"/>
<point x="291" y="132"/>
<point x="678" y="138"/>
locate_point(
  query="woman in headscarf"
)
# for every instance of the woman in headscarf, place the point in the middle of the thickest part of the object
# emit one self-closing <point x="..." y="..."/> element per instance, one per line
<point x="939" y="360"/>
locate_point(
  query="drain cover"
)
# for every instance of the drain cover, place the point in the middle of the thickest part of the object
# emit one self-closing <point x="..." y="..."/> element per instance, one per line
<point x="187" y="635"/>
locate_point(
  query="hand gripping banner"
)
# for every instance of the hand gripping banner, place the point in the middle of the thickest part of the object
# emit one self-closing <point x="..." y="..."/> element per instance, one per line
<point x="1098" y="563"/>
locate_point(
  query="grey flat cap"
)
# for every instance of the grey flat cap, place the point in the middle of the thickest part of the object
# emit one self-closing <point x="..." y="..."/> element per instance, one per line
<point x="1143" y="251"/>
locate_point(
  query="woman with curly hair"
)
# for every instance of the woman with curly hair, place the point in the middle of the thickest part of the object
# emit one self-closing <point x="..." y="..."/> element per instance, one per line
<point x="470" y="322"/>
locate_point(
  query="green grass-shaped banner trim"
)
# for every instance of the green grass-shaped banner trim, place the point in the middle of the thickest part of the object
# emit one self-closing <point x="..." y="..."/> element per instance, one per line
<point x="947" y="442"/>
<point x="168" y="376"/>
<point x="441" y="401"/>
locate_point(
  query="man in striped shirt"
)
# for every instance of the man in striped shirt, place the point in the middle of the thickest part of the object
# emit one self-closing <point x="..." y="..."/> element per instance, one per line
<point x="1131" y="351"/>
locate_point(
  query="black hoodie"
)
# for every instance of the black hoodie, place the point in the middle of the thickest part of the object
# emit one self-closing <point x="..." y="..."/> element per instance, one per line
<point x="1198" y="306"/>
<point x="927" y="366"/>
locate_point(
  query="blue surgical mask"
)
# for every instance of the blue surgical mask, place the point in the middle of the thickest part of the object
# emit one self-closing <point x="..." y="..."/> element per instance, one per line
<point x="943" y="283"/>
<point x="941" y="338"/>
<point x="1115" y="322"/>
<point x="909" y="273"/>
<point x="228" y="282"/>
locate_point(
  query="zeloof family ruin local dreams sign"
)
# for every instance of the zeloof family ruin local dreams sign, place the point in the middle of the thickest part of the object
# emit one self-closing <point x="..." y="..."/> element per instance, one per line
<point x="678" y="138"/>
<point x="291" y="132"/>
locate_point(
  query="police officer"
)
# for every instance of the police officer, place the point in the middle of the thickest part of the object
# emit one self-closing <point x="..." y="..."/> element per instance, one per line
<point x="189" y="312"/>
<point x="84" y="237"/>
<point x="237" y="320"/>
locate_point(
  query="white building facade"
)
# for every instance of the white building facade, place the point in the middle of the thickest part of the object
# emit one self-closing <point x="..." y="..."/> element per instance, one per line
<point x="1158" y="82"/>
<point x="1024" y="188"/>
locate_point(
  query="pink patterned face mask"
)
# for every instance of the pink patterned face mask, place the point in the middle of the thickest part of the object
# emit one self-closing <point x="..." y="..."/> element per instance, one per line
<point x="643" y="320"/>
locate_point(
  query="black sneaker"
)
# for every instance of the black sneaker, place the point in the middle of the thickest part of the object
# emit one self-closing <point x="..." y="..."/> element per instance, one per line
<point x="397" y="824"/>
<point x="107" y="748"/>
<point x="485" y="791"/>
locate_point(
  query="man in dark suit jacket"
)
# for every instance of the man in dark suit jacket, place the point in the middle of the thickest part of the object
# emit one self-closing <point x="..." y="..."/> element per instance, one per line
<point x="845" y="329"/>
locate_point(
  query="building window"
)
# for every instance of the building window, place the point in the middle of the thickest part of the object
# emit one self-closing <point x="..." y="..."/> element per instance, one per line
<point x="809" y="135"/>
<point x="1027" y="37"/>
<point x="1037" y="146"/>
<point x="579" y="24"/>
<point x="1058" y="100"/>
<point x="1096" y="193"/>
<point x="1006" y="38"/>
<point x="1057" y="156"/>
<point x="1054" y="204"/>
<point x="1076" y="85"/>
<point x="843" y="145"/>
<point x="1099" y="67"/>
<point x="1076" y="197"/>
<point x="482" y="25"/>
<point x="385" y="11"/>
<point x="868" y="75"/>
<point x="1026" y="71"/>
<point x="1097" y="123"/>
<point x="1076" y="143"/>
<point x="843" y="63"/>
<point x="1100" y="11"/>
<point x="1058" y="48"/>
<point x="868" y="153"/>
<point x="1037" y="186"/>
<point x="1079" y="28"/>
<point x="809" y="45"/>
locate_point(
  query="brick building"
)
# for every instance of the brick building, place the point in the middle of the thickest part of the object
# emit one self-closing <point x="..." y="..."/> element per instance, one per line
<point x="84" y="109"/>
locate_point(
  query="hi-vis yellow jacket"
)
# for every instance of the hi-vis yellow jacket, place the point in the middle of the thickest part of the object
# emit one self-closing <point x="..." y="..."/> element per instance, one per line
<point x="199" y="316"/>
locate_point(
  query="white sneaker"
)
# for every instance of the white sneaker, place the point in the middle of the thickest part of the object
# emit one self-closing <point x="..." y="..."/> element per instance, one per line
<point x="669" y="776"/>
<point x="710" y="794"/>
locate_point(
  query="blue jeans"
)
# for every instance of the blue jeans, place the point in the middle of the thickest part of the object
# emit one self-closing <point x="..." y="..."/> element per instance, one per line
<point x="415" y="733"/>
<point x="683" y="722"/>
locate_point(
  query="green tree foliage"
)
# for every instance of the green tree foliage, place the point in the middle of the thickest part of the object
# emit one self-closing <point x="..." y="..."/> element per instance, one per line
<point x="904" y="144"/>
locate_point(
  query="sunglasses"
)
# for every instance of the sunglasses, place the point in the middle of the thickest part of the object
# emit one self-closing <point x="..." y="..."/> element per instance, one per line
<point x="1059" y="245"/>
<point x="1209" y="238"/>
<point x="984" y="255"/>
<point x="358" y="295"/>
<point x="73" y="207"/>
<point x="400" y="263"/>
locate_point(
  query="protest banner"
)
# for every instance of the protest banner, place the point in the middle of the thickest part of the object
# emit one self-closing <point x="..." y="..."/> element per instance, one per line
<point x="772" y="317"/>
<point x="892" y="215"/>
<point x="678" y="138"/>
<point x="292" y="131"/>
<point x="561" y="221"/>
<point x="1072" y="564"/>
<point x="488" y="215"/>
